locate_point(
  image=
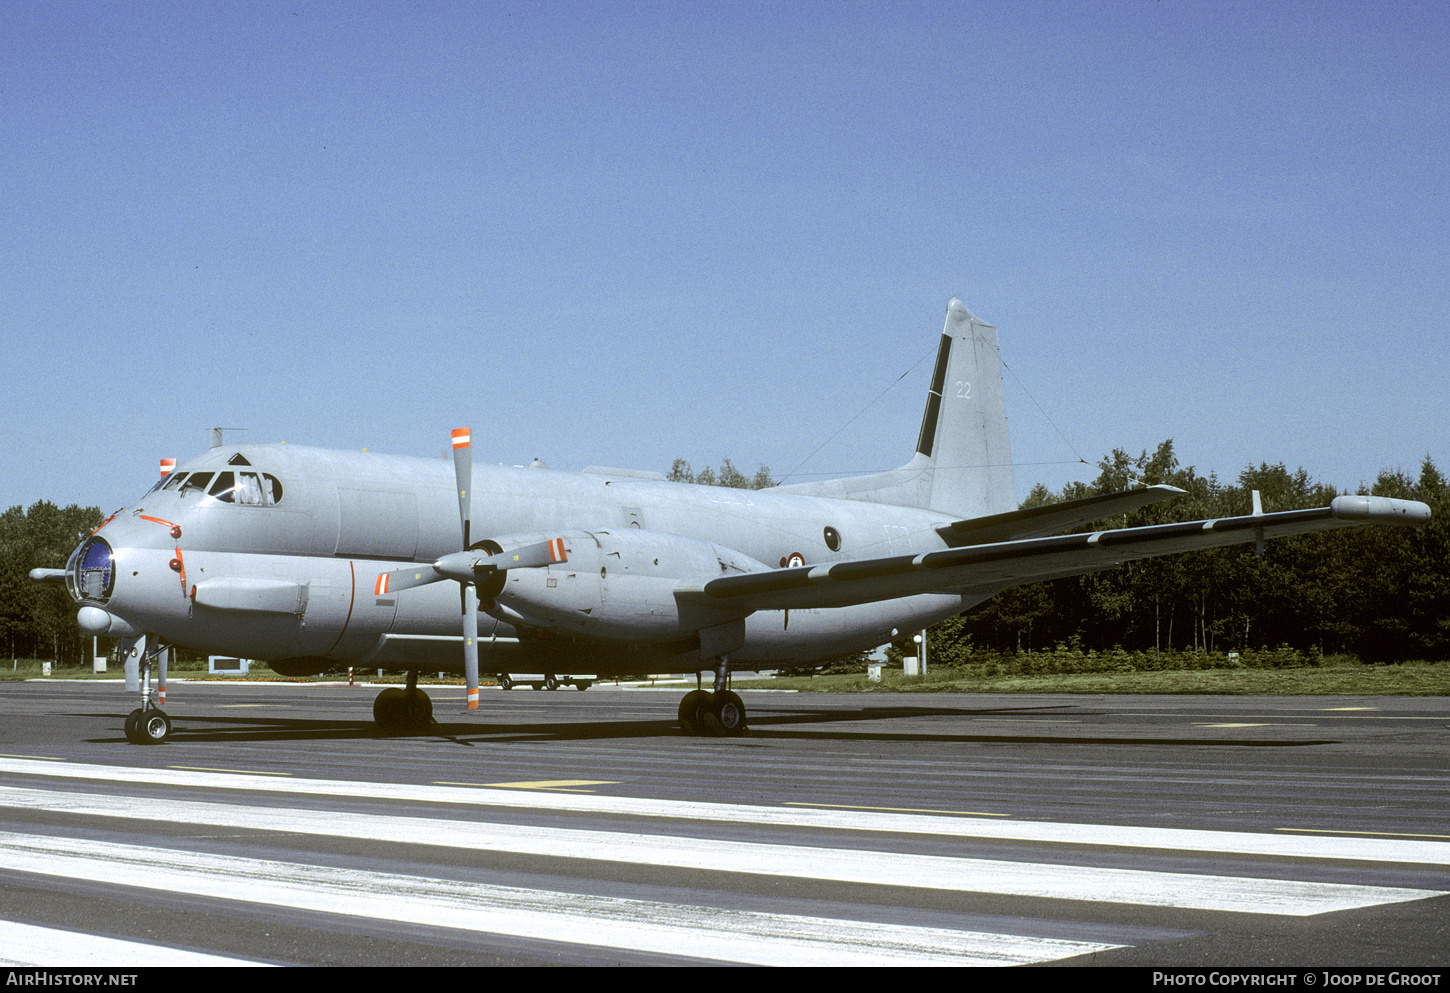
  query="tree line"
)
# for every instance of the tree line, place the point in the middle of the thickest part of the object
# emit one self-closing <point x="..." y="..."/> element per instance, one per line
<point x="1382" y="593"/>
<point x="39" y="620"/>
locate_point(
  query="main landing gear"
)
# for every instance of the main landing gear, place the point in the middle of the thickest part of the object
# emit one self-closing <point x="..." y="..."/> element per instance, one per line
<point x="718" y="714"/>
<point x="400" y="710"/>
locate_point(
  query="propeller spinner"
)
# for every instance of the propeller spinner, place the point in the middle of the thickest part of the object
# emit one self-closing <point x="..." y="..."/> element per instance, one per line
<point x="472" y="565"/>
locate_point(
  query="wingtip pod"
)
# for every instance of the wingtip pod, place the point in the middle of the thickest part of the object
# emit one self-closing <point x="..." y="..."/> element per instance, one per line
<point x="1380" y="510"/>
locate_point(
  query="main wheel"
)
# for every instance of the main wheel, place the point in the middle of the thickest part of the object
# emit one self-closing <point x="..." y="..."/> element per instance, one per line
<point x="417" y="708"/>
<point x="388" y="709"/>
<point x="153" y="727"/>
<point x="690" y="708"/>
<point x="133" y="719"/>
<point x="723" y="715"/>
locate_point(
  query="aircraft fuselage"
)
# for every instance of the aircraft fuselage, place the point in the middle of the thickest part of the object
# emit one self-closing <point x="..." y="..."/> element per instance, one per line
<point x="272" y="552"/>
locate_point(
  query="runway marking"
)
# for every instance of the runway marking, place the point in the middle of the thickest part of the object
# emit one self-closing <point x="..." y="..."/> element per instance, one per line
<point x="1106" y="835"/>
<point x="1374" y="834"/>
<point x="230" y="772"/>
<point x="881" y="868"/>
<point x="1275" y="724"/>
<point x="543" y="784"/>
<point x="710" y="933"/>
<point x="898" y="810"/>
<point x="46" y="947"/>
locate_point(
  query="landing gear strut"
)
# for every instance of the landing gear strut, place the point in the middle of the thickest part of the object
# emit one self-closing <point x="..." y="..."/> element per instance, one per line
<point x="148" y="724"/>
<point x="407" y="709"/>
<point x="719" y="714"/>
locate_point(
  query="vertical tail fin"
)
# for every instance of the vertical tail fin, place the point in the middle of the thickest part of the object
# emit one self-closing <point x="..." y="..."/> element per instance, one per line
<point x="963" y="463"/>
<point x="964" y="427"/>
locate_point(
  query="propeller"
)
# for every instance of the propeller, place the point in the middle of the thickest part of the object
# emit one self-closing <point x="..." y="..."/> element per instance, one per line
<point x="472" y="565"/>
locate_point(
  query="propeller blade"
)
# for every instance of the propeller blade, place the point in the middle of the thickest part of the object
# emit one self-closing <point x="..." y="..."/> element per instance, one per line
<point x="463" y="475"/>
<point x="405" y="579"/>
<point x="528" y="556"/>
<point x="470" y="643"/>
<point x="463" y="567"/>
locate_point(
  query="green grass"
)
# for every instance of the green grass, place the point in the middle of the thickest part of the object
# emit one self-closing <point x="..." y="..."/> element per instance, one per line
<point x="1338" y="676"/>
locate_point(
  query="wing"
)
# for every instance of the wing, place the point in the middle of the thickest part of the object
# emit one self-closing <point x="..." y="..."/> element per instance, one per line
<point x="988" y="568"/>
<point x="1052" y="518"/>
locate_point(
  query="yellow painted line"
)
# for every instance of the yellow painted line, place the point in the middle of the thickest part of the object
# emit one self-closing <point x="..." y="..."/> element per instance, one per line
<point x="35" y="758"/>
<point x="236" y="772"/>
<point x="896" y="810"/>
<point x="235" y="706"/>
<point x="1274" y="724"/>
<point x="1375" y="834"/>
<point x="542" y="784"/>
<point x="1351" y="708"/>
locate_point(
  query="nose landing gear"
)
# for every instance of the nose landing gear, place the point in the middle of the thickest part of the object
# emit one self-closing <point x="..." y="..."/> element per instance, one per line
<point x="148" y="724"/>
<point x="147" y="727"/>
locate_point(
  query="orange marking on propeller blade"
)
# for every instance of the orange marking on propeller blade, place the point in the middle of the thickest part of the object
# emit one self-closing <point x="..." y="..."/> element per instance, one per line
<point x="462" y="437"/>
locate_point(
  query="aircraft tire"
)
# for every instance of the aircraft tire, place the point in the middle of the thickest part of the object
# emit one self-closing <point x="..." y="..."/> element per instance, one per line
<point x="153" y="727"/>
<point x="133" y="733"/>
<point x="388" y="709"/>
<point x="726" y="715"/>
<point x="690" y="710"/>
<point x="417" y="709"/>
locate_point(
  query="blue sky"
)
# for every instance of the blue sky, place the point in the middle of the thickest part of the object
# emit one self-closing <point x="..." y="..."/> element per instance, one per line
<point x="622" y="233"/>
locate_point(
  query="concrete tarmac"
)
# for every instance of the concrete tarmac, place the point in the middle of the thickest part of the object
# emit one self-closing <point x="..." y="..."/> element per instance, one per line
<point x="277" y="826"/>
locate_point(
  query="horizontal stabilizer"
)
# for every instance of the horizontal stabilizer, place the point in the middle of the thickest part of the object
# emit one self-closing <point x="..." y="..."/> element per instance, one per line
<point x="989" y="568"/>
<point x="1052" y="518"/>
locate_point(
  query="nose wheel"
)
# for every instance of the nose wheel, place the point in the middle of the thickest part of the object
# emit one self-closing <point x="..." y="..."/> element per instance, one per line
<point x="147" y="727"/>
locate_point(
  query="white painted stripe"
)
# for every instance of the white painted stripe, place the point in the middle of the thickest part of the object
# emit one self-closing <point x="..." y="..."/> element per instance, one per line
<point x="1065" y="882"/>
<point x="670" y="929"/>
<point x="1111" y="835"/>
<point x="53" y="948"/>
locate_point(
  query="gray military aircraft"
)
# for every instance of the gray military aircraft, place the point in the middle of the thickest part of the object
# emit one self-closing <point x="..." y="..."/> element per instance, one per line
<point x="319" y="560"/>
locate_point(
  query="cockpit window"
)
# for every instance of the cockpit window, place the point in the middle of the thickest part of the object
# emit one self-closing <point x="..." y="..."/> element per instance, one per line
<point x="249" y="488"/>
<point x="196" y="481"/>
<point x="174" y="480"/>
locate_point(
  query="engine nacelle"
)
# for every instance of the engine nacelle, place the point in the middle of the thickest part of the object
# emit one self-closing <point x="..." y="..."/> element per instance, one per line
<point x="619" y="585"/>
<point x="305" y="666"/>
